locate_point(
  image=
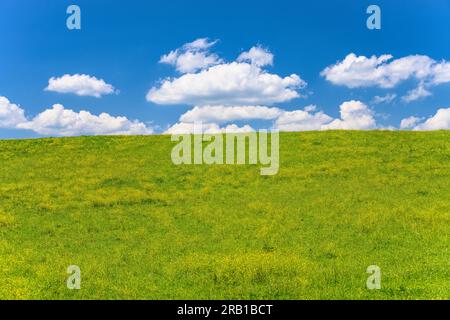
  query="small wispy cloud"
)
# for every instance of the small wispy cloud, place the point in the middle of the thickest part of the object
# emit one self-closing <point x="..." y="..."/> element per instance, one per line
<point x="417" y="93"/>
<point x="388" y="98"/>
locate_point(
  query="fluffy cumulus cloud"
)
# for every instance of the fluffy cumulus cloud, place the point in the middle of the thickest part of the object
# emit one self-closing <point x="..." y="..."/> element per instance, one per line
<point x="223" y="114"/>
<point x="355" y="115"/>
<point x="10" y="114"/>
<point x="208" y="128"/>
<point x="302" y="120"/>
<point x="59" y="121"/>
<point x="360" y="71"/>
<point x="258" y="56"/>
<point x="192" y="56"/>
<point x="210" y="118"/>
<point x="440" y="121"/>
<point x="385" y="72"/>
<point x="81" y="85"/>
<point x="227" y="84"/>
<point x="237" y="83"/>
<point x="409" y="122"/>
<point x="65" y="122"/>
<point x="441" y="73"/>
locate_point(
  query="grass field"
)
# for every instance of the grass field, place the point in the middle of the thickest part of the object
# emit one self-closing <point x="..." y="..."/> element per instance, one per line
<point x="140" y="227"/>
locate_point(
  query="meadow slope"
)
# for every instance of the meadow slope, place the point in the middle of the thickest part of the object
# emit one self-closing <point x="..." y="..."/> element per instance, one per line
<point x="140" y="227"/>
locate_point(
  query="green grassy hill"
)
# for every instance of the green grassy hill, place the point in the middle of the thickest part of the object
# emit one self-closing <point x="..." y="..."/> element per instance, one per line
<point x="140" y="227"/>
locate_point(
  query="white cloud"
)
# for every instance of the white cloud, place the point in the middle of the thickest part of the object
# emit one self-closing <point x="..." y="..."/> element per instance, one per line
<point x="10" y="114"/>
<point x="223" y="114"/>
<point x="409" y="122"/>
<point x="170" y="58"/>
<point x="208" y="128"/>
<point x="64" y="122"/>
<point x="310" y="108"/>
<point x="193" y="61"/>
<point x="388" y="98"/>
<point x="232" y="128"/>
<point x="360" y="71"/>
<point x="440" y="121"/>
<point x="192" y="56"/>
<point x="185" y="128"/>
<point x="417" y="93"/>
<point x="227" y="84"/>
<point x="355" y="115"/>
<point x="208" y="80"/>
<point x="302" y="120"/>
<point x="199" y="44"/>
<point x="257" y="56"/>
<point x="441" y="73"/>
<point x="80" y="84"/>
<point x="210" y="118"/>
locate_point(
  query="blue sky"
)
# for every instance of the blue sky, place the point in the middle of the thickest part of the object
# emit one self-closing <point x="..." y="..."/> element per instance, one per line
<point x="121" y="42"/>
